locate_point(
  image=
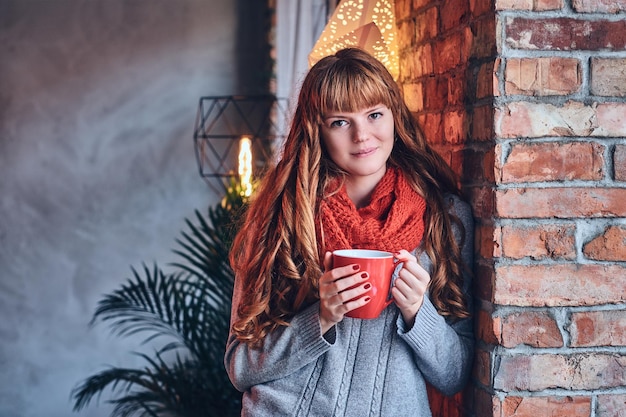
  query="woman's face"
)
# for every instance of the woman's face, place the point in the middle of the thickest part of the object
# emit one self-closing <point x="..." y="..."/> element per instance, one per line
<point x="360" y="143"/>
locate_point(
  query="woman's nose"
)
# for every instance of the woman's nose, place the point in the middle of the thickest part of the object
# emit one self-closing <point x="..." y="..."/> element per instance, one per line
<point x="359" y="134"/>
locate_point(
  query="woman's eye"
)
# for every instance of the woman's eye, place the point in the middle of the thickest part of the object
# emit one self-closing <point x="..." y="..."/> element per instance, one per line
<point x="338" y="123"/>
<point x="376" y="115"/>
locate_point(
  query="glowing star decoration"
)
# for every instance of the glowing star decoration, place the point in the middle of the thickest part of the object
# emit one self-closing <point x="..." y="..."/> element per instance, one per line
<point x="367" y="24"/>
<point x="245" y="166"/>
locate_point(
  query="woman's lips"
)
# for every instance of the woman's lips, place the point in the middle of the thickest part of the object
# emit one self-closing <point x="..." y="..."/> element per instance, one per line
<point x="364" y="152"/>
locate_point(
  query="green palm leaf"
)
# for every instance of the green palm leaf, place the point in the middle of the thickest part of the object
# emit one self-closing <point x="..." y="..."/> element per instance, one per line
<point x="188" y="311"/>
<point x="162" y="388"/>
<point x="149" y="303"/>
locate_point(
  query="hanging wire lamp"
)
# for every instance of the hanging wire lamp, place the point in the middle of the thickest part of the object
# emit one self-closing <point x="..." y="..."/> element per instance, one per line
<point x="227" y="124"/>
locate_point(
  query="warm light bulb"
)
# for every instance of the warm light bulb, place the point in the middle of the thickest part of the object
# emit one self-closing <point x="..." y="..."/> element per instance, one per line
<point x="245" y="165"/>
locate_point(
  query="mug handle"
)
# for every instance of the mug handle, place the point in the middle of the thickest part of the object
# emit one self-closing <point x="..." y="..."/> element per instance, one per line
<point x="394" y="276"/>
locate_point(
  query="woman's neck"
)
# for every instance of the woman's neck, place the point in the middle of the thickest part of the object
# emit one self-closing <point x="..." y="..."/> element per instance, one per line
<point x="359" y="189"/>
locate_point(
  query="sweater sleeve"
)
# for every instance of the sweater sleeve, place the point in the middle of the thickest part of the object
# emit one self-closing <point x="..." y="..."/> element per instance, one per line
<point x="443" y="350"/>
<point x="284" y="350"/>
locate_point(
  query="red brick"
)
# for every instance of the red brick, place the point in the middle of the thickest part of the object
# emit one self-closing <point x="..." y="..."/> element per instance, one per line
<point x="484" y="282"/>
<point x="585" y="371"/>
<point x="459" y="161"/>
<point x="611" y="405"/>
<point x="456" y="90"/>
<point x="554" y="161"/>
<point x="449" y="53"/>
<point x="565" y="34"/>
<point x="420" y="61"/>
<point x="455" y="125"/>
<point x="561" y="202"/>
<point x="609" y="246"/>
<point x="478" y="165"/>
<point x="611" y="119"/>
<point x="608" y="77"/>
<point x="435" y="93"/>
<point x="432" y="124"/>
<point x="542" y="76"/>
<point x="546" y="406"/>
<point x="426" y="25"/>
<point x="454" y="14"/>
<point x="456" y="158"/>
<point x="486" y="404"/>
<point x="480" y="7"/>
<point x="418" y="4"/>
<point x="406" y="37"/>
<point x="482" y="123"/>
<point x="598" y="328"/>
<point x="514" y="4"/>
<point x="559" y="285"/>
<point x="414" y="96"/>
<point x="446" y="152"/>
<point x="406" y="69"/>
<point x="534" y="5"/>
<point x="488" y="328"/>
<point x="486" y="81"/>
<point x="482" y="200"/>
<point x="488" y="240"/>
<point x="542" y="5"/>
<point x="525" y="119"/>
<point x="619" y="162"/>
<point x="533" y="328"/>
<point x="484" y="40"/>
<point x="539" y="242"/>
<point x="599" y="6"/>
<point x="467" y="44"/>
<point x="488" y="163"/>
<point x="402" y="10"/>
<point x="482" y="367"/>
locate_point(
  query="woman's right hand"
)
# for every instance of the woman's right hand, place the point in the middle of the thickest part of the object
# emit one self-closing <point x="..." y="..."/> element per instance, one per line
<point x="336" y="295"/>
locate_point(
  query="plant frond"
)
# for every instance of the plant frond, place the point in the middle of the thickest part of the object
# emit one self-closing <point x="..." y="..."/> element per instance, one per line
<point x="143" y="303"/>
<point x="110" y="378"/>
<point x="185" y="376"/>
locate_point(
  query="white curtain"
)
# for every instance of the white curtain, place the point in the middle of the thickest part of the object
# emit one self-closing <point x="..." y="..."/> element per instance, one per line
<point x="298" y="25"/>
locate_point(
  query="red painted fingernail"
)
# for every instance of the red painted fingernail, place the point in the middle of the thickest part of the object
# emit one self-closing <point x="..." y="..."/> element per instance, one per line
<point x="364" y="275"/>
<point x="367" y="299"/>
<point x="356" y="267"/>
<point x="367" y="286"/>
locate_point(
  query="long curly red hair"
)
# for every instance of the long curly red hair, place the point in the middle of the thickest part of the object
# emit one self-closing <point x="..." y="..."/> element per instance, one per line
<point x="275" y="254"/>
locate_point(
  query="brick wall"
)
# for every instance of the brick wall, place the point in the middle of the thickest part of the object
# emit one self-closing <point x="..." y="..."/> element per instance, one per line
<point x="527" y="100"/>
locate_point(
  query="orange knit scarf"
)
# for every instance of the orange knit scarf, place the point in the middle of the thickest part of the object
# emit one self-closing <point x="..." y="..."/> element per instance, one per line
<point x="393" y="220"/>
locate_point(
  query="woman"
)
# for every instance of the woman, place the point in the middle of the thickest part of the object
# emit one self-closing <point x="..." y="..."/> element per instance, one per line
<point x="356" y="173"/>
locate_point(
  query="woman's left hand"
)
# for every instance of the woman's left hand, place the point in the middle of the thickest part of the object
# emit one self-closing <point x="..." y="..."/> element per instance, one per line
<point x="410" y="287"/>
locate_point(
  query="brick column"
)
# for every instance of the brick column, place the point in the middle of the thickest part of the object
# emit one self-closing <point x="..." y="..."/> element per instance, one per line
<point x="527" y="100"/>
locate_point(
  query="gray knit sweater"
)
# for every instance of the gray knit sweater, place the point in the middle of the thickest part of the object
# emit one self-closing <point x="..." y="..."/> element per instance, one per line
<point x="360" y="367"/>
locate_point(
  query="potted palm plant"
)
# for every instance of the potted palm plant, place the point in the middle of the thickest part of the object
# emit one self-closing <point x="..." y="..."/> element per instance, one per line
<point x="185" y="314"/>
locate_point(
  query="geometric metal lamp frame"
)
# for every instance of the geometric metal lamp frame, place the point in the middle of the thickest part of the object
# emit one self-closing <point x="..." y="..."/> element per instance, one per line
<point x="222" y="121"/>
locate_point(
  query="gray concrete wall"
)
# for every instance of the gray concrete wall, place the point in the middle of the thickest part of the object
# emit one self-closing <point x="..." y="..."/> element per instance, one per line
<point x="97" y="172"/>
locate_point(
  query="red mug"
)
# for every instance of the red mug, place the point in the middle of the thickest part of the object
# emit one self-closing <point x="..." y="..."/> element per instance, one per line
<point x="380" y="267"/>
